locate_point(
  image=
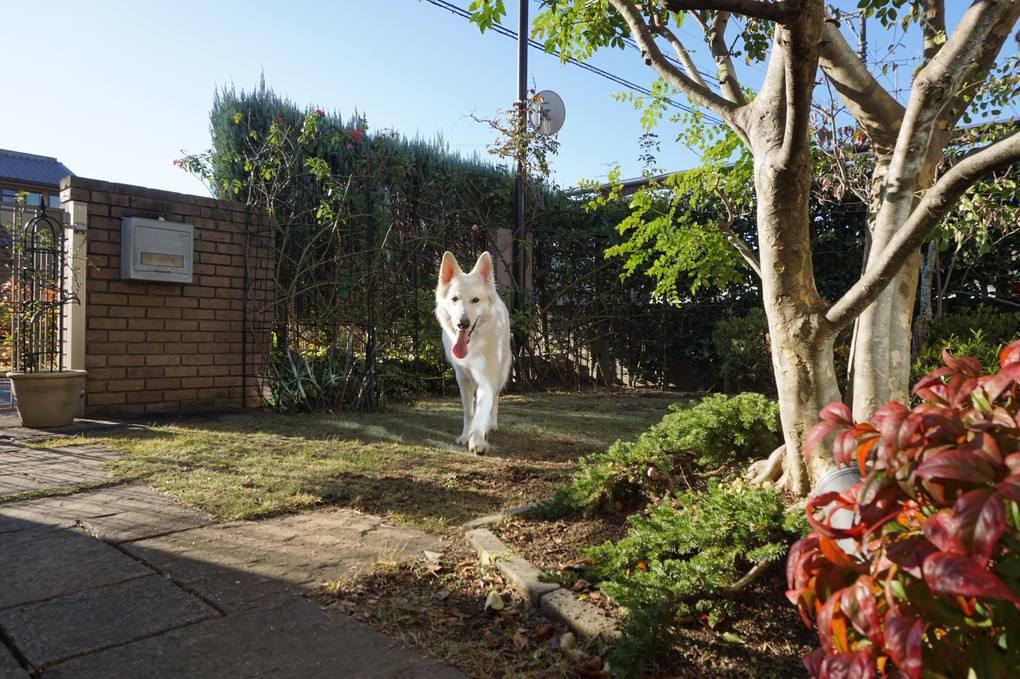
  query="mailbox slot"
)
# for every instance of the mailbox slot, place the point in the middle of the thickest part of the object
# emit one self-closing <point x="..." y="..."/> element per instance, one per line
<point x="154" y="250"/>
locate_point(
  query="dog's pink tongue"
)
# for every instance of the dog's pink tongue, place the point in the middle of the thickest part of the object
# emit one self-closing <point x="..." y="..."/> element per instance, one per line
<point x="460" y="348"/>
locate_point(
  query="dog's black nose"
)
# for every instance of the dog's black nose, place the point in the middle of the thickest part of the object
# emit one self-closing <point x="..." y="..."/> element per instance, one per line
<point x="464" y="323"/>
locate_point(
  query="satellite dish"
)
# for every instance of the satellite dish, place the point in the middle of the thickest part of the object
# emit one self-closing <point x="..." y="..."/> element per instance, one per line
<point x="547" y="113"/>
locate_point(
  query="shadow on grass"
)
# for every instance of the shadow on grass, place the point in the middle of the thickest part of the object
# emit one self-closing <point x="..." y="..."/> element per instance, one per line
<point x="545" y="427"/>
<point x="402" y="461"/>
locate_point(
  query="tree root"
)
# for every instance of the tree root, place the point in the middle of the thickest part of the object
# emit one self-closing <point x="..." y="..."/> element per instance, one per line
<point x="768" y="471"/>
<point x="724" y="592"/>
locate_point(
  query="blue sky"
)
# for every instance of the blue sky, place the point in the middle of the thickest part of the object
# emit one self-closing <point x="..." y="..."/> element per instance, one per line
<point x="117" y="89"/>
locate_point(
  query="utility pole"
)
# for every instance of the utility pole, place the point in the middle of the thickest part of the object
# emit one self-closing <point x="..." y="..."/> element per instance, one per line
<point x="517" y="247"/>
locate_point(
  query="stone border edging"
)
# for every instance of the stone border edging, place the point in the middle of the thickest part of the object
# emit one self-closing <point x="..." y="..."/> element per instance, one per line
<point x="554" y="601"/>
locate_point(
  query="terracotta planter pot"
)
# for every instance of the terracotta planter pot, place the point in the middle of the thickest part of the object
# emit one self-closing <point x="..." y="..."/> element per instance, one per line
<point x="47" y="399"/>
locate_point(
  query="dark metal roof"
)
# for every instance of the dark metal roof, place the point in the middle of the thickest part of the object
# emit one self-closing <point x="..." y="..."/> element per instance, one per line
<point x="31" y="169"/>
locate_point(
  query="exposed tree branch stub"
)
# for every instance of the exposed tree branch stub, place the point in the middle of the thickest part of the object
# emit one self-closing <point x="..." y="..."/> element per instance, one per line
<point x="727" y="592"/>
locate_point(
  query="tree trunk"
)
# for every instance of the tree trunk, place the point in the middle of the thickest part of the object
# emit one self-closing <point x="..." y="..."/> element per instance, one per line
<point x="806" y="380"/>
<point x="925" y="314"/>
<point x="802" y="356"/>
<point x="882" y="358"/>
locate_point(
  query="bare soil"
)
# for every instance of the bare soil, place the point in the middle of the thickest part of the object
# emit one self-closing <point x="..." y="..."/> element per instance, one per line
<point x="440" y="607"/>
<point x="766" y="637"/>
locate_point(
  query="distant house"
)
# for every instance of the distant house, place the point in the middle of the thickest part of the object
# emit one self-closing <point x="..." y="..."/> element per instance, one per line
<point x="39" y="176"/>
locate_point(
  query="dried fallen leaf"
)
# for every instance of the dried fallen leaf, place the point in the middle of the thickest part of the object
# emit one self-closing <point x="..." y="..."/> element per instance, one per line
<point x="543" y="632"/>
<point x="494" y="602"/>
<point x="568" y="642"/>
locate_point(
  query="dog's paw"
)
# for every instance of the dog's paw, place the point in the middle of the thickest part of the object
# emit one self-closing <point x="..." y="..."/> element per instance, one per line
<point x="478" y="445"/>
<point x="462" y="439"/>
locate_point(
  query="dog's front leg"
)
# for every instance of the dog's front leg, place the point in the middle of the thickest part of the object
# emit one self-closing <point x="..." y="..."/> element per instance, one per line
<point x="480" y="425"/>
<point x="467" y="401"/>
<point x="494" y="417"/>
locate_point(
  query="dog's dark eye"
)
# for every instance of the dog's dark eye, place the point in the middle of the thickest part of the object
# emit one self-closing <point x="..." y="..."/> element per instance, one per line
<point x="455" y="299"/>
<point x="474" y="301"/>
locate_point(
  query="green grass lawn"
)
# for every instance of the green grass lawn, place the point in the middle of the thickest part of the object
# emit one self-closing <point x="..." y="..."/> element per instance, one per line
<point x="401" y="463"/>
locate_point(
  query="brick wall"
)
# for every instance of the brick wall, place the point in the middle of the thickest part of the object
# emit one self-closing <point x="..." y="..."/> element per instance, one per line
<point x="161" y="347"/>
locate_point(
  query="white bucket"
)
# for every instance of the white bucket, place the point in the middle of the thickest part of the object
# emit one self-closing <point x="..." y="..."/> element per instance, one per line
<point x="837" y="480"/>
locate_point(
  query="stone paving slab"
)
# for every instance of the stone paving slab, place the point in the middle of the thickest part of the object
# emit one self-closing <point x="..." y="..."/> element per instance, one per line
<point x="50" y="631"/>
<point x="116" y="514"/>
<point x="23" y="469"/>
<point x="238" y="564"/>
<point x="290" y="638"/>
<point x="141" y="512"/>
<point x="9" y="666"/>
<point x="12" y="483"/>
<point x="34" y="565"/>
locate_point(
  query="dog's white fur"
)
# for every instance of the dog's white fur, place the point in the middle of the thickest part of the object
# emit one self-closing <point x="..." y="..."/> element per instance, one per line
<point x="476" y="336"/>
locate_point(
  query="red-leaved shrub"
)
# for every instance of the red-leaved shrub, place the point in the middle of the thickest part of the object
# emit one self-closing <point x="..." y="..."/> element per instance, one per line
<point x="931" y="587"/>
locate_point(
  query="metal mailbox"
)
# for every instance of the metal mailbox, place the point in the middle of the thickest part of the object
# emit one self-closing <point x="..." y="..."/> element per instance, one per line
<point x="154" y="250"/>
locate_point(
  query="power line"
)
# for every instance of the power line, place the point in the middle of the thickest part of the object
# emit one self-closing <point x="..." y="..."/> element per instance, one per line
<point x="704" y="74"/>
<point x="504" y="31"/>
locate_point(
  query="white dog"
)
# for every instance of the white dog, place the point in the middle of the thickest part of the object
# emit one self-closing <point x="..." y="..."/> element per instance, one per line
<point x="476" y="336"/>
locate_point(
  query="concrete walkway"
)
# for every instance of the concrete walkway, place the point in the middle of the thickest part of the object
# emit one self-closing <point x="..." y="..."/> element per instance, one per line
<point x="125" y="582"/>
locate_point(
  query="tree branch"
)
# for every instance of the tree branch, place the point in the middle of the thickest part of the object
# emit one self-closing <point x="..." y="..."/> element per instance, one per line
<point x="984" y="59"/>
<point x="770" y="11"/>
<point x="933" y="23"/>
<point x="725" y="227"/>
<point x="729" y="84"/>
<point x="658" y="27"/>
<point x="874" y="109"/>
<point x="804" y="34"/>
<point x="932" y="208"/>
<point x="653" y="57"/>
<point x="934" y="87"/>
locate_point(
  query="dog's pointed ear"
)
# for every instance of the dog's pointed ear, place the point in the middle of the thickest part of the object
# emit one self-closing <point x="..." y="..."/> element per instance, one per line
<point x="448" y="268"/>
<point x="483" y="268"/>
